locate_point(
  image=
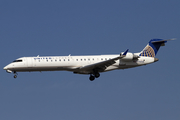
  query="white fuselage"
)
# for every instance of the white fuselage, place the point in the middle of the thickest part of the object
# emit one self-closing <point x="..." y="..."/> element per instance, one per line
<point x="72" y="63"/>
<point x="92" y="64"/>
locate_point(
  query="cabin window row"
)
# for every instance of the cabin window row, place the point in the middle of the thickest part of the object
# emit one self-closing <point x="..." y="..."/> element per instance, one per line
<point x="56" y="60"/>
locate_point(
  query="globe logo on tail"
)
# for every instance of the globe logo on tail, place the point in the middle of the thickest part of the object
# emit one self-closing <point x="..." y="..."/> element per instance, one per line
<point x="148" y="52"/>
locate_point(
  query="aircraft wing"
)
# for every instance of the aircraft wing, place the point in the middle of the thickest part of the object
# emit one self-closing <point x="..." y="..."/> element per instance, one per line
<point x="101" y="66"/>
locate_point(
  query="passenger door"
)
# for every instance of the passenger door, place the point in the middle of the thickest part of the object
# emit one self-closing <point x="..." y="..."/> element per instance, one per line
<point x="29" y="62"/>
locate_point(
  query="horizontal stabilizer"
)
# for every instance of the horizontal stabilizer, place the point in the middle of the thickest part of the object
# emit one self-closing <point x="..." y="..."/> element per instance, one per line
<point x="153" y="46"/>
<point x="161" y="40"/>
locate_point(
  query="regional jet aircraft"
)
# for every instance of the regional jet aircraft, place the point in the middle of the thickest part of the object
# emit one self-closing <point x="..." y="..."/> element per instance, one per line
<point x="92" y="65"/>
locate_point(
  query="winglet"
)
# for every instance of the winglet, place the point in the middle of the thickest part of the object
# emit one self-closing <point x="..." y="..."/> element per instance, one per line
<point x="124" y="54"/>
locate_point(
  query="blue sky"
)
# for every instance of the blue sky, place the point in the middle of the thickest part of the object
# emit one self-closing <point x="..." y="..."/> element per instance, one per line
<point x="43" y="27"/>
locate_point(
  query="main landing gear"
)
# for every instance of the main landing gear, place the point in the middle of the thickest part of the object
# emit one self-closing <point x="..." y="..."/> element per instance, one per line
<point x="93" y="76"/>
<point x="15" y="74"/>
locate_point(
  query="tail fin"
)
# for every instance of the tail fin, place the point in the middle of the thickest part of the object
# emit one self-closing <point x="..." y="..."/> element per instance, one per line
<point x="152" y="47"/>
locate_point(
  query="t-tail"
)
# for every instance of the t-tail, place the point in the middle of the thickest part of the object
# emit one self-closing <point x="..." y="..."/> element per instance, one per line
<point x="152" y="47"/>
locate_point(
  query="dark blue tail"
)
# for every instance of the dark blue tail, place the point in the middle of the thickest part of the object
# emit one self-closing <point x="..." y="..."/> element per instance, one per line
<point x="152" y="47"/>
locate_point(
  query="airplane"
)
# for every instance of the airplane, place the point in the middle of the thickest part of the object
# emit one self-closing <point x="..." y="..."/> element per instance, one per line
<point x="92" y="65"/>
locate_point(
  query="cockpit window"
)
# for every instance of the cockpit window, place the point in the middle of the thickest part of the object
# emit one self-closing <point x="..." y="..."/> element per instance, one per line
<point x="17" y="61"/>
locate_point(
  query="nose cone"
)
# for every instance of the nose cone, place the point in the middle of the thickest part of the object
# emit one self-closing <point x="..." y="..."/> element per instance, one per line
<point x="9" y="66"/>
<point x="5" y="68"/>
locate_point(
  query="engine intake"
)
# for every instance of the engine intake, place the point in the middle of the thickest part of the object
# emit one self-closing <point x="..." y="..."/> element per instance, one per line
<point x="129" y="57"/>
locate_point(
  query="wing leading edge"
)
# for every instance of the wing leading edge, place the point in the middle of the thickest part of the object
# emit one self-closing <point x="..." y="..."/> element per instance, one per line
<point x="100" y="66"/>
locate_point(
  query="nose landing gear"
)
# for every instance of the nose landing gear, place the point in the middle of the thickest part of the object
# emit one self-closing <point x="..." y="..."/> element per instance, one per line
<point x="15" y="74"/>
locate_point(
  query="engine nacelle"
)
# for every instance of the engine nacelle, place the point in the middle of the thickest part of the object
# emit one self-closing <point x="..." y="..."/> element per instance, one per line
<point x="130" y="56"/>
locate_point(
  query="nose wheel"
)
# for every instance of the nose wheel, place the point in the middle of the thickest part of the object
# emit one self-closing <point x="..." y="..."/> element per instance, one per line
<point x="15" y="74"/>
